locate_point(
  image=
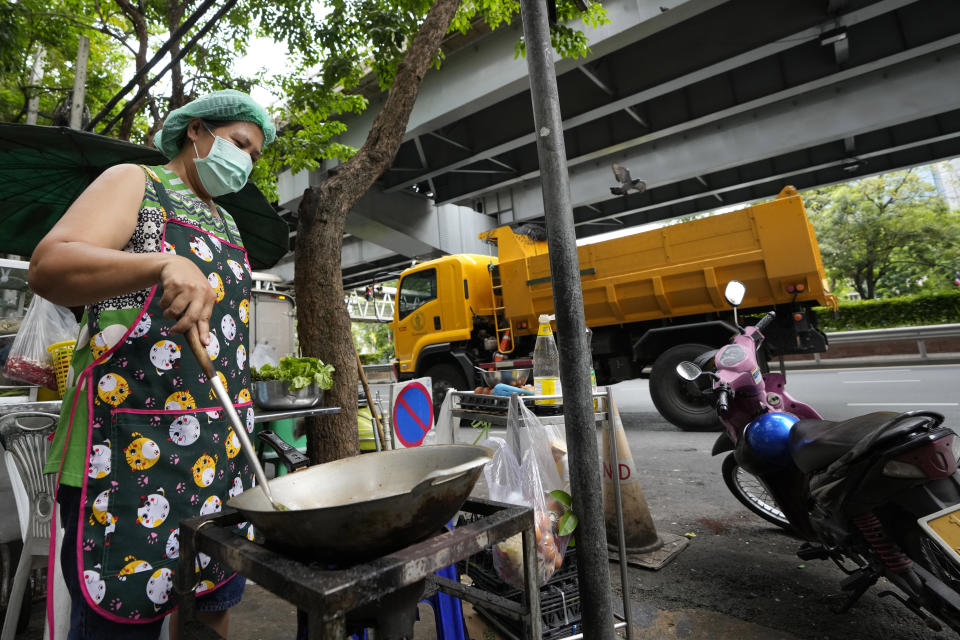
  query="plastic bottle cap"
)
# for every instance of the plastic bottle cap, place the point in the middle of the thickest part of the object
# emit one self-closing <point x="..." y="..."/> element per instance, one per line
<point x="544" y="318"/>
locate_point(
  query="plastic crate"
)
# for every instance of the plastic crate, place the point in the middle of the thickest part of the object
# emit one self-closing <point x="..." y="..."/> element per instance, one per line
<point x="560" y="610"/>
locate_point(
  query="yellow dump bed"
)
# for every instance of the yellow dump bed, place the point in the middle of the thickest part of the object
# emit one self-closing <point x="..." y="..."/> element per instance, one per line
<point x="676" y="270"/>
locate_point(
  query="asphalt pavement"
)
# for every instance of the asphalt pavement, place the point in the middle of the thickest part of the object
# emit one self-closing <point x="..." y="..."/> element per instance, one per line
<point x="839" y="394"/>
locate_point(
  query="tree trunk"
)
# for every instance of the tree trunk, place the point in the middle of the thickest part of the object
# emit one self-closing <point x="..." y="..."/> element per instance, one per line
<point x="175" y="12"/>
<point x="324" y="324"/>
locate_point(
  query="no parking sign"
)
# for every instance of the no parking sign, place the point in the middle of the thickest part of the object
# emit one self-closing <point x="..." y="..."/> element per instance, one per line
<point x="412" y="412"/>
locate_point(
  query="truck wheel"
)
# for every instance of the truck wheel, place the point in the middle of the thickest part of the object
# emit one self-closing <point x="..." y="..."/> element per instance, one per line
<point x="444" y="376"/>
<point x="685" y="404"/>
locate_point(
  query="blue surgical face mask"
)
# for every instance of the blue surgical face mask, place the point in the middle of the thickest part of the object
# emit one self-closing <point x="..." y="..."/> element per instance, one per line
<point x="225" y="169"/>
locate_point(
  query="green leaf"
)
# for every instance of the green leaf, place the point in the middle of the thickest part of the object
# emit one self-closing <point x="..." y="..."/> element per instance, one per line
<point x="299" y="372"/>
<point x="562" y="497"/>
<point x="568" y="523"/>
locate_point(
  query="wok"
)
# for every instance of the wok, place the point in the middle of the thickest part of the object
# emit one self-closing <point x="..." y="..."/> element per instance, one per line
<point x="363" y="507"/>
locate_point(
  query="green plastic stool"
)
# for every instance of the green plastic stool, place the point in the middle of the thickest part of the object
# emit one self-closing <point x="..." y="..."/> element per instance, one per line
<point x="284" y="429"/>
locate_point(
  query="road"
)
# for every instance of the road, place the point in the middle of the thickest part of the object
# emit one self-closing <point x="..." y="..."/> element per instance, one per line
<point x="843" y="393"/>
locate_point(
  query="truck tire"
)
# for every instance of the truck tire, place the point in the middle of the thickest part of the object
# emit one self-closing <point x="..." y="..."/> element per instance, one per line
<point x="444" y="376"/>
<point x="682" y="403"/>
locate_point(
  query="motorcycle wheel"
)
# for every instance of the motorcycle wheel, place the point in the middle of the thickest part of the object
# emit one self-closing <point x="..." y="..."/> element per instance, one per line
<point x="752" y="494"/>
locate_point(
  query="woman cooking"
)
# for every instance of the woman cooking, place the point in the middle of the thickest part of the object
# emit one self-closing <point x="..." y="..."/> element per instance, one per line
<point x="140" y="444"/>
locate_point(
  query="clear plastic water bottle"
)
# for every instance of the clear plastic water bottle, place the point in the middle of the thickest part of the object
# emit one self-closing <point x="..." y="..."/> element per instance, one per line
<point x="546" y="364"/>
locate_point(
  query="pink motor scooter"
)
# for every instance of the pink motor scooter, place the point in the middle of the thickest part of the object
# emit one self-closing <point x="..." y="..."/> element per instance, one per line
<point x="878" y="494"/>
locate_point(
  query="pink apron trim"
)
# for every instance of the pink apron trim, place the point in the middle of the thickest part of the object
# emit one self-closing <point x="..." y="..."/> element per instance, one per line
<point x="204" y="231"/>
<point x="87" y="374"/>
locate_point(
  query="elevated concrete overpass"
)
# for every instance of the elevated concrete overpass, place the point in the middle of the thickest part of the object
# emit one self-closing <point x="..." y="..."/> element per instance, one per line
<point x="711" y="102"/>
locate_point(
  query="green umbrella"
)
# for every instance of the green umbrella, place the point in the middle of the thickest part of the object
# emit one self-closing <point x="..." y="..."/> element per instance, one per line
<point x="44" y="169"/>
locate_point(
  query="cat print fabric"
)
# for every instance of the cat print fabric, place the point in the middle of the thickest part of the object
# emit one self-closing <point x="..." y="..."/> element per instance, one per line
<point x="159" y="449"/>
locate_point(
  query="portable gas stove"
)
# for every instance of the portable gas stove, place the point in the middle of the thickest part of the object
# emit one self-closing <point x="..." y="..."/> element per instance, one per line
<point x="381" y="594"/>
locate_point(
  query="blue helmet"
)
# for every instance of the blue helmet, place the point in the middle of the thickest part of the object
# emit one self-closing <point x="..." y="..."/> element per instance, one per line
<point x="768" y="439"/>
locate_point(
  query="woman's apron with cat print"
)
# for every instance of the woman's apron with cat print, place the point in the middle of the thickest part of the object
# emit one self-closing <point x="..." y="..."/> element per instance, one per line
<point x="160" y="450"/>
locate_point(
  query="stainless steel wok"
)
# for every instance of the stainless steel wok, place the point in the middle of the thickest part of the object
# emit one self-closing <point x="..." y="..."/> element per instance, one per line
<point x="367" y="506"/>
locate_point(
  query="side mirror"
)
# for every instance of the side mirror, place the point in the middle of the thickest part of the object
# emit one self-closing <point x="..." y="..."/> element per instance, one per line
<point x="688" y="371"/>
<point x="734" y="292"/>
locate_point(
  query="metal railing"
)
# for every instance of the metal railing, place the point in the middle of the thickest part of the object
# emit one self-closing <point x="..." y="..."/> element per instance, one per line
<point x="377" y="308"/>
<point x="895" y="334"/>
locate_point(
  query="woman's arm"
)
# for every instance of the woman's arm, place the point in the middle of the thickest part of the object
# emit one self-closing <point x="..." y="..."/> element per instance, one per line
<point x="81" y="260"/>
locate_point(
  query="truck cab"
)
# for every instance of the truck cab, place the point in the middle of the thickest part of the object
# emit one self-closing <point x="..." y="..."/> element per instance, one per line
<point x="434" y="319"/>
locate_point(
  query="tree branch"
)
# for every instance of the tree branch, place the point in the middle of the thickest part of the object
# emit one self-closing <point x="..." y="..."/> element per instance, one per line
<point x="386" y="133"/>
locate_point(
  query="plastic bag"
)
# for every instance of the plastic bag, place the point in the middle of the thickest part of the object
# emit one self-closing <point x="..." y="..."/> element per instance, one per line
<point x="527" y="481"/>
<point x="263" y="353"/>
<point x="44" y="324"/>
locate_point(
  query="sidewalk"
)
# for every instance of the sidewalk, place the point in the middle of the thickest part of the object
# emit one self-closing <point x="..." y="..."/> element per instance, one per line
<point x="264" y="616"/>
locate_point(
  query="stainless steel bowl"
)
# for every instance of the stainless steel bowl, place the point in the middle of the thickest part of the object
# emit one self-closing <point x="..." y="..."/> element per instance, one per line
<point x="276" y="395"/>
<point x="514" y="377"/>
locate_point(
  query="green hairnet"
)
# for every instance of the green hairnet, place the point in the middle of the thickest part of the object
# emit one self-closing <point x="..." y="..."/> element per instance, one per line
<point x="227" y="105"/>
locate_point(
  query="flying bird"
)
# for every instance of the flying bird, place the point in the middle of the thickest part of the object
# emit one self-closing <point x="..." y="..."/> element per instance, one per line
<point x="622" y="174"/>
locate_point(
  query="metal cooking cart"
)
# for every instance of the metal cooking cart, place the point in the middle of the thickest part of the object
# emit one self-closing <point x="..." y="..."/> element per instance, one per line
<point x="386" y="589"/>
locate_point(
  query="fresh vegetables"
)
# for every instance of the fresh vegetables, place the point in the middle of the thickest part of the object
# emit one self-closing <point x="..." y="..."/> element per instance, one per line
<point x="299" y="372"/>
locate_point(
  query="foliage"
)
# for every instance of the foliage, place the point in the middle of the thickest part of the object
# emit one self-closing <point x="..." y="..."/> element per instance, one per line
<point x="568" y="523"/>
<point x="357" y="38"/>
<point x="374" y="342"/>
<point x="331" y="48"/>
<point x="906" y="311"/>
<point x="568" y="41"/>
<point x="300" y="372"/>
<point x="886" y="234"/>
<point x="55" y="26"/>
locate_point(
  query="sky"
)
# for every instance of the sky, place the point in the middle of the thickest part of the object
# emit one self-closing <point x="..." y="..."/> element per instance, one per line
<point x="262" y="53"/>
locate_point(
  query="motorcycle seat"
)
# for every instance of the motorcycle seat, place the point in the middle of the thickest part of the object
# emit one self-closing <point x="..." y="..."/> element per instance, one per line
<point x="815" y="444"/>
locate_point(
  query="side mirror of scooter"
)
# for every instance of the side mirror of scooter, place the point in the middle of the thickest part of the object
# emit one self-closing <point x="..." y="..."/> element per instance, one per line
<point x="734" y="293"/>
<point x="689" y="371"/>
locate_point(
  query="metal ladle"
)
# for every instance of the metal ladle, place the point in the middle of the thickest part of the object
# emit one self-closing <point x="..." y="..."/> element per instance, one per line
<point x="193" y="339"/>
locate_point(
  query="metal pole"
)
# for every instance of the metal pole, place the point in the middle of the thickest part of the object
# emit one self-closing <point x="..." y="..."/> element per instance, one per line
<point x="36" y="73"/>
<point x="592" y="568"/>
<point x="79" y="83"/>
<point x="618" y="502"/>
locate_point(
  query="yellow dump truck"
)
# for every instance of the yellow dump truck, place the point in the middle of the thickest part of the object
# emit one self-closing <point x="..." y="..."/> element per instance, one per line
<point x="652" y="298"/>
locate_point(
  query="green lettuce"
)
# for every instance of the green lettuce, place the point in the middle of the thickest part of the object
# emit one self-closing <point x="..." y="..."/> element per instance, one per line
<point x="299" y="372"/>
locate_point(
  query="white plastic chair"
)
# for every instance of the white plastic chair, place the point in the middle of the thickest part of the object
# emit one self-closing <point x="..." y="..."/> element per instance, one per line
<point x="24" y="436"/>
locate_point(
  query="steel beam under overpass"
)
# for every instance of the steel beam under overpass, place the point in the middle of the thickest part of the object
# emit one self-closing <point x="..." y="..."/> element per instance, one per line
<point x="488" y="70"/>
<point x="902" y="88"/>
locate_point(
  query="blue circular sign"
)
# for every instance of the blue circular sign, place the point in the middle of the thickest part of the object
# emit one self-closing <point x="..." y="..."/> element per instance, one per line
<point x="412" y="414"/>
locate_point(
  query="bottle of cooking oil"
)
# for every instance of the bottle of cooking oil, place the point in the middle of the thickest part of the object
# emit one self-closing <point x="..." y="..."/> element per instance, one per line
<point x="546" y="363"/>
